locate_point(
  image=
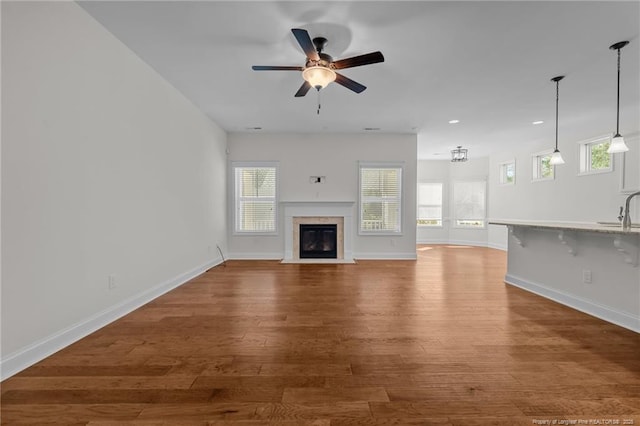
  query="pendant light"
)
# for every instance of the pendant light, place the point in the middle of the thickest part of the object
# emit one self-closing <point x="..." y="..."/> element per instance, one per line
<point x="556" y="157"/>
<point x="617" y="143"/>
<point x="459" y="154"/>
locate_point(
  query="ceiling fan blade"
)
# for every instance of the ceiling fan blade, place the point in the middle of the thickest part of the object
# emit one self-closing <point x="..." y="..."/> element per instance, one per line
<point x="349" y="84"/>
<point x="275" y="68"/>
<point x="305" y="42"/>
<point x="356" y="61"/>
<point x="303" y="89"/>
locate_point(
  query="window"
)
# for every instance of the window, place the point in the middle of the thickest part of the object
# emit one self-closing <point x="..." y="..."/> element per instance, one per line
<point x="469" y="201"/>
<point x="594" y="157"/>
<point x="542" y="168"/>
<point x="508" y="173"/>
<point x="380" y="199"/>
<point x="255" y="198"/>
<point x="429" y="204"/>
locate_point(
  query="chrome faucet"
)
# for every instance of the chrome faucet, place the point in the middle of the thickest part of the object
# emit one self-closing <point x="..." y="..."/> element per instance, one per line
<point x="626" y="220"/>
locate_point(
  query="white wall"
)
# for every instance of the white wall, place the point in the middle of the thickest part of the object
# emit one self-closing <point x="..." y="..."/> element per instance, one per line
<point x="335" y="156"/>
<point x="106" y="170"/>
<point x="567" y="198"/>
<point x="447" y="172"/>
<point x="544" y="266"/>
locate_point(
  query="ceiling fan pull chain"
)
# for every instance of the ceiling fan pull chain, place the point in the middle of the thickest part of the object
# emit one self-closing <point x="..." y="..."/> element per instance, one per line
<point x="318" y="112"/>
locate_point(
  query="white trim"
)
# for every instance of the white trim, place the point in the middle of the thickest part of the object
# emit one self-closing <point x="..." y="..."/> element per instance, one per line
<point x="500" y="175"/>
<point x="502" y="247"/>
<point x="37" y="351"/>
<point x="234" y="197"/>
<point x="343" y="209"/>
<point x="634" y="145"/>
<point x="584" y="156"/>
<point x="398" y="165"/>
<point x="452" y="199"/>
<point x="256" y="256"/>
<point x="535" y="158"/>
<point x="432" y="241"/>
<point x="418" y="205"/>
<point x="603" y="312"/>
<point x="385" y="256"/>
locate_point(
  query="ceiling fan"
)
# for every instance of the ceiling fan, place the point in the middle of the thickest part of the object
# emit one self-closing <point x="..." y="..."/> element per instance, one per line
<point x="319" y="70"/>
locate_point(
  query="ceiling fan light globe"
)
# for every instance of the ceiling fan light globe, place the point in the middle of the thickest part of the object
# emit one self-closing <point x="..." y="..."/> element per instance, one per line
<point x="318" y="77"/>
<point x="556" y="158"/>
<point x="617" y="145"/>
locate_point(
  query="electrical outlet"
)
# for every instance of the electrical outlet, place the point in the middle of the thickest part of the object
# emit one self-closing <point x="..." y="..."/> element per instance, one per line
<point x="586" y="276"/>
<point x="112" y="282"/>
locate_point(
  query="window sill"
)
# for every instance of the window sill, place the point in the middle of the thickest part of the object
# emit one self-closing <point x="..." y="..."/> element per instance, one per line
<point x="549" y="179"/>
<point x="255" y="234"/>
<point x="595" y="172"/>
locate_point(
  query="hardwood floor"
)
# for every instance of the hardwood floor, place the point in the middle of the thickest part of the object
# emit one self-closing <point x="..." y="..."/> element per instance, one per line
<point x="438" y="341"/>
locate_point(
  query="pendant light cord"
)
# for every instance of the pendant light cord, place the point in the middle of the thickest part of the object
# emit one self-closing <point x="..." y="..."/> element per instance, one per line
<point x="618" y="104"/>
<point x="557" y="98"/>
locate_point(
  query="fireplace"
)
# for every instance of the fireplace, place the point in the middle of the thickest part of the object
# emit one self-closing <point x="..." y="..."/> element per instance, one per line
<point x="318" y="241"/>
<point x="336" y="213"/>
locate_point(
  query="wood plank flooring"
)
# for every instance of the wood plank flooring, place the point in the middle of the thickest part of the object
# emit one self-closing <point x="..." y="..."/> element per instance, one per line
<point x="438" y="341"/>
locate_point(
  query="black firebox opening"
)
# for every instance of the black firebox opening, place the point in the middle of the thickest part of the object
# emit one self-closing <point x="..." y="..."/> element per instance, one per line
<point x="318" y="241"/>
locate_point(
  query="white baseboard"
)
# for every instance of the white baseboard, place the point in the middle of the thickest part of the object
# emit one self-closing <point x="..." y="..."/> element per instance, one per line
<point x="37" y="351"/>
<point x="464" y="243"/>
<point x="605" y="313"/>
<point x="497" y="246"/>
<point x="432" y="241"/>
<point x="468" y="243"/>
<point x="363" y="256"/>
<point x="256" y="256"/>
<point x="385" y="256"/>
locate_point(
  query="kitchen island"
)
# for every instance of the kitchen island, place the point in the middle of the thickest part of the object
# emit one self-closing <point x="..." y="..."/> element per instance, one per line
<point x="588" y="266"/>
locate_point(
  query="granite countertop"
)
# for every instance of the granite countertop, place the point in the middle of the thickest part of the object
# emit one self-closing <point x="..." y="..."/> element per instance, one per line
<point x="609" y="228"/>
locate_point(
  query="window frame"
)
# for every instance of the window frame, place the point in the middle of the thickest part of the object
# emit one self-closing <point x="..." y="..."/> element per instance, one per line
<point x="400" y="199"/>
<point x="585" y="156"/>
<point x="418" y="205"/>
<point x="502" y="177"/>
<point x="235" y="199"/>
<point x="536" y="166"/>
<point x="454" y="217"/>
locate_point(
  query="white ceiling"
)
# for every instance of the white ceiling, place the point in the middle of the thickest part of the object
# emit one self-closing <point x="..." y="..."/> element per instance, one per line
<point x="487" y="64"/>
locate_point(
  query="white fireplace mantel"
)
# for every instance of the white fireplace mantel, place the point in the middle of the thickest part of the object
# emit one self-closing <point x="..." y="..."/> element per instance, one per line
<point x="293" y="209"/>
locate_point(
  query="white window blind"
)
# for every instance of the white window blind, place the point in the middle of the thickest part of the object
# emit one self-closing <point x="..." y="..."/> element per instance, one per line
<point x="469" y="204"/>
<point x="429" y="204"/>
<point x="255" y="199"/>
<point x="380" y="199"/>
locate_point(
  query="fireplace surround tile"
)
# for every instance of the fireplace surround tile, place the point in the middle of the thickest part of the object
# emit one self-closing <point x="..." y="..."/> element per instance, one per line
<point x="339" y="213"/>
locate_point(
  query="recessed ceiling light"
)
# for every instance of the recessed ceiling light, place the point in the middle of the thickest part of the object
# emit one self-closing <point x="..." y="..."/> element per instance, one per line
<point x="454" y="121"/>
<point x="535" y="123"/>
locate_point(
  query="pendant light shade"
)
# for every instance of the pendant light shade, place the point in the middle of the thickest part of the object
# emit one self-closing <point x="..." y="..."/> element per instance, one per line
<point x="617" y="143"/>
<point x="556" y="157"/>
<point x="318" y="76"/>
